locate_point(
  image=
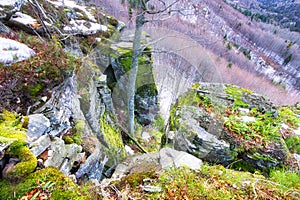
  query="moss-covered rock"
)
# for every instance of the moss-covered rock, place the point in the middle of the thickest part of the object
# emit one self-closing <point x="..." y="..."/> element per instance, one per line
<point x="221" y="110"/>
<point x="11" y="131"/>
<point x="112" y="139"/>
<point x="146" y="101"/>
<point x="77" y="133"/>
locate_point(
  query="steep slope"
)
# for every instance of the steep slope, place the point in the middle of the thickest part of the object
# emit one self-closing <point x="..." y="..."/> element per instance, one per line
<point x="237" y="42"/>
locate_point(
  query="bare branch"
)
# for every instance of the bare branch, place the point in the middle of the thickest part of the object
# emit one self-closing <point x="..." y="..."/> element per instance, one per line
<point x="152" y="12"/>
<point x="169" y="51"/>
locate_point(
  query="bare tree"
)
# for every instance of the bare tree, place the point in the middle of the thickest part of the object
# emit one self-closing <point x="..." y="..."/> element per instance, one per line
<point x="144" y="11"/>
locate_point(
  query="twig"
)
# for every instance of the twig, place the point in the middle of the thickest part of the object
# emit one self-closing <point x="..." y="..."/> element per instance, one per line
<point x="230" y="165"/>
<point x="131" y="138"/>
<point x="254" y="191"/>
<point x="218" y="95"/>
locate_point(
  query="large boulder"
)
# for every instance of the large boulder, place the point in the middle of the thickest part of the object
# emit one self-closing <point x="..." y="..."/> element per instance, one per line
<point x="164" y="159"/>
<point x="226" y="124"/>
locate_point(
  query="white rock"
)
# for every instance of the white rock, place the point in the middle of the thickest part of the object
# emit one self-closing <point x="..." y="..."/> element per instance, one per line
<point x="171" y="157"/>
<point x="8" y="2"/>
<point x="12" y="51"/>
<point x="23" y="18"/>
<point x="248" y="119"/>
<point x="80" y="26"/>
<point x="284" y="126"/>
<point x="244" y="110"/>
<point x="151" y="189"/>
<point x="146" y="136"/>
<point x="37" y="126"/>
<point x="129" y="150"/>
<point x="73" y="4"/>
<point x="297" y="131"/>
<point x="44" y="99"/>
<point x="40" y="145"/>
<point x="297" y="157"/>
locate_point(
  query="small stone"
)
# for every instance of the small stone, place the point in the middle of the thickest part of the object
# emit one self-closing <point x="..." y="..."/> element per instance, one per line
<point x="146" y="136"/>
<point x="246" y="183"/>
<point x="284" y="126"/>
<point x="151" y="189"/>
<point x="248" y="119"/>
<point x="244" y="110"/>
<point x="95" y="182"/>
<point x="297" y="157"/>
<point x="129" y="150"/>
<point x="297" y="131"/>
<point x="44" y="99"/>
<point x="73" y="178"/>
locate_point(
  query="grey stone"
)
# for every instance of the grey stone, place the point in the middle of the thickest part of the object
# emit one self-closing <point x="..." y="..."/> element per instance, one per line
<point x="63" y="155"/>
<point x="93" y="166"/>
<point x="37" y="126"/>
<point x="40" y="145"/>
<point x="204" y="143"/>
<point x="170" y="157"/>
<point x="4" y="146"/>
<point x="163" y="159"/>
<point x="297" y="157"/>
<point x="137" y="164"/>
<point x="151" y="189"/>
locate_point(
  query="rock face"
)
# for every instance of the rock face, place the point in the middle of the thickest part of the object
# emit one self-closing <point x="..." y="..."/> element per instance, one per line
<point x="146" y="95"/>
<point x="204" y="140"/>
<point x="37" y="126"/>
<point x="63" y="156"/>
<point x="209" y="123"/>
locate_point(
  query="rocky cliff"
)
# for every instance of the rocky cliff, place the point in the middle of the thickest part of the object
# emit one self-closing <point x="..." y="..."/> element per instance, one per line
<point x="63" y="119"/>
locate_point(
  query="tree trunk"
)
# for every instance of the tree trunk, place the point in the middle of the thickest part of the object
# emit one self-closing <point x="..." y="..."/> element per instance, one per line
<point x="136" y="51"/>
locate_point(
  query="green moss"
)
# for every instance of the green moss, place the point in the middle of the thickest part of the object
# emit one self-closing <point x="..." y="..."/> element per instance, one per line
<point x="210" y="182"/>
<point x="196" y="86"/>
<point x="286" y="178"/>
<point x="136" y="179"/>
<point x="113" y="139"/>
<point x="293" y="144"/>
<point x="159" y="123"/>
<point x="288" y="116"/>
<point x="35" y="89"/>
<point x="237" y="93"/>
<point x="126" y="60"/>
<point x="77" y="133"/>
<point x="11" y="131"/>
<point x="64" y="188"/>
<point x="153" y="143"/>
<point x="191" y="98"/>
<point x="28" y="160"/>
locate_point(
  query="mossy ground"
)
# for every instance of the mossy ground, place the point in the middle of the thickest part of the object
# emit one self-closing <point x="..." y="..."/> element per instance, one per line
<point x="237" y="94"/>
<point x="62" y="187"/>
<point x="211" y="182"/>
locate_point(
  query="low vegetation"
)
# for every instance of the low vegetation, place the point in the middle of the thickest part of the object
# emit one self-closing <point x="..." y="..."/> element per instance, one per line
<point x="210" y="182"/>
